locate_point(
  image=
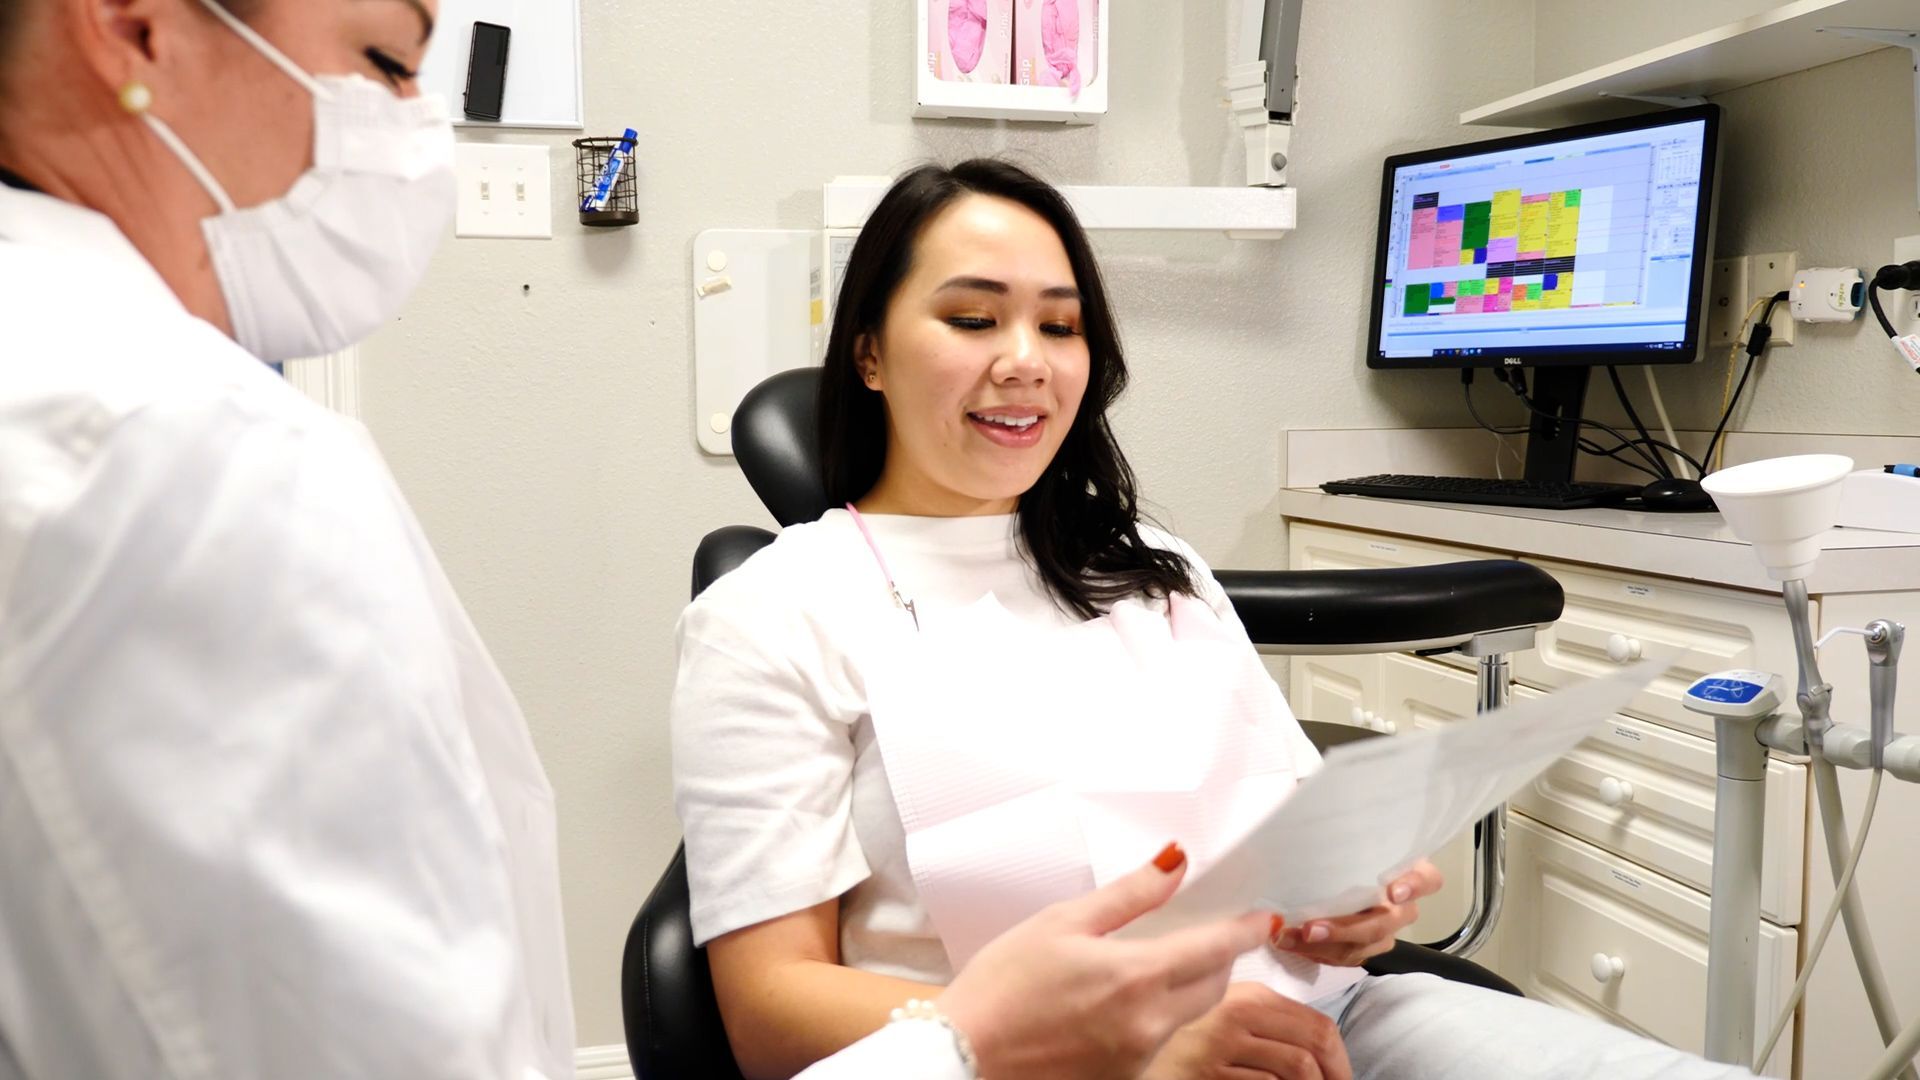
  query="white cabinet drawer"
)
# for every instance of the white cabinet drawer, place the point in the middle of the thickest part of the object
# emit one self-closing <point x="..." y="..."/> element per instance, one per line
<point x="1320" y="547"/>
<point x="1663" y="783"/>
<point x="1713" y="629"/>
<point x="1416" y="695"/>
<point x="1335" y="689"/>
<point x="1569" y="902"/>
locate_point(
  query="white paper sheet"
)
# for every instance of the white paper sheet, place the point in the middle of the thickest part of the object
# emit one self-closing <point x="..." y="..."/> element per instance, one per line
<point x="1378" y="806"/>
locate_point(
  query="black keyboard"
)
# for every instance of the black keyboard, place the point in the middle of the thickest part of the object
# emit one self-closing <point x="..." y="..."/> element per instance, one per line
<point x="1539" y="494"/>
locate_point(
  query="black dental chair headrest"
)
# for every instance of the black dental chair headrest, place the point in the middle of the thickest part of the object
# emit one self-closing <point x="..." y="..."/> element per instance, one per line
<point x="776" y="441"/>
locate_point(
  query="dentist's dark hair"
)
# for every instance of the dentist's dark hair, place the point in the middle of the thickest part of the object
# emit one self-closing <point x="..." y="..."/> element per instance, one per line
<point x="1080" y="522"/>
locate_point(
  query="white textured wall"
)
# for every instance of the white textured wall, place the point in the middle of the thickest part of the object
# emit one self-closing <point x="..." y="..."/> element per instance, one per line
<point x="535" y="399"/>
<point x="1574" y="35"/>
<point x="1822" y="162"/>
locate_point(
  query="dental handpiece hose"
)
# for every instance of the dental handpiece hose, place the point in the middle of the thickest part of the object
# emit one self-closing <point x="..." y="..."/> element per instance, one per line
<point x="1899" y="1055"/>
<point x="1815" y="699"/>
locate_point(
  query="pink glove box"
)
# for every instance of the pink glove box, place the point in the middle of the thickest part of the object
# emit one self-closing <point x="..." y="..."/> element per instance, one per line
<point x="1056" y="43"/>
<point x="970" y="41"/>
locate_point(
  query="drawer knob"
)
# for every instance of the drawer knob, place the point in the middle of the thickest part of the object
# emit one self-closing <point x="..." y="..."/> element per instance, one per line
<point x="1622" y="649"/>
<point x="1388" y="727"/>
<point x="1615" y="792"/>
<point x="1607" y="968"/>
<point x="1358" y="717"/>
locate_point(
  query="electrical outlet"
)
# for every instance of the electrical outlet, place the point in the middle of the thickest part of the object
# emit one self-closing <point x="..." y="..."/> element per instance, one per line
<point x="1769" y="274"/>
<point x="1726" y="286"/>
<point x="1903" y="308"/>
<point x="506" y="190"/>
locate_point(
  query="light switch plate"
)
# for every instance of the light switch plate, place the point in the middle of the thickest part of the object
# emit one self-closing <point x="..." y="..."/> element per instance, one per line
<point x="506" y="190"/>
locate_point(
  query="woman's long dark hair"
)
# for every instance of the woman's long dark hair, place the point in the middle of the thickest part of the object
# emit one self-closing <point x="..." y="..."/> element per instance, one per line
<point x="1080" y="522"/>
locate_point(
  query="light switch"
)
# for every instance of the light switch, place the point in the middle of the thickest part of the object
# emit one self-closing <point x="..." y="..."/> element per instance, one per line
<point x="506" y="190"/>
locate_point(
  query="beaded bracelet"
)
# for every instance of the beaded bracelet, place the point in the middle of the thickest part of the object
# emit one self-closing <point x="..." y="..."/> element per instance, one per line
<point x="915" y="1009"/>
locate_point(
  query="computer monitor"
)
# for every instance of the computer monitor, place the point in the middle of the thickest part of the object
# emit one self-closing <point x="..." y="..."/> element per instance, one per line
<point x="1558" y="251"/>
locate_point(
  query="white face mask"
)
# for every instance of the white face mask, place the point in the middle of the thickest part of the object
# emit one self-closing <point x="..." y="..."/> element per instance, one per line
<point x="333" y="259"/>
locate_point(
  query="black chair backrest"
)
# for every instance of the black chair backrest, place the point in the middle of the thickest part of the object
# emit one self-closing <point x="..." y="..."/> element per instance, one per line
<point x="776" y="439"/>
<point x="673" y="1025"/>
<point x="674" y="1030"/>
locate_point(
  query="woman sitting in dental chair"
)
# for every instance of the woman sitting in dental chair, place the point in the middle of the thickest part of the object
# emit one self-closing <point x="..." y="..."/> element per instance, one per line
<point x="988" y="685"/>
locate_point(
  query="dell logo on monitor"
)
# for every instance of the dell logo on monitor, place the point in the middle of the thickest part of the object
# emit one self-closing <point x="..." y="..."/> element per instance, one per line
<point x="1510" y="361"/>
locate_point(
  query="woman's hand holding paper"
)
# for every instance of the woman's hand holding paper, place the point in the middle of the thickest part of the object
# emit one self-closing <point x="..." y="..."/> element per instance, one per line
<point x="1350" y="940"/>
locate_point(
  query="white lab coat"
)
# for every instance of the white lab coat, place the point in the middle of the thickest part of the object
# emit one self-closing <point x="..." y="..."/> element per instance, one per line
<point x="267" y="808"/>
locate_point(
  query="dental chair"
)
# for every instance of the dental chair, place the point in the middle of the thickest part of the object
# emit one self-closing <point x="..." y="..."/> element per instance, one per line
<point x="1484" y="610"/>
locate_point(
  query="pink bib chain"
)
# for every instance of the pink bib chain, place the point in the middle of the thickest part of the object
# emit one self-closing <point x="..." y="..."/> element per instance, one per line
<point x="902" y="602"/>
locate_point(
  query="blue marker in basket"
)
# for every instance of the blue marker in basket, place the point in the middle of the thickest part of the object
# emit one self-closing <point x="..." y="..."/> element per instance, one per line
<point x="616" y="161"/>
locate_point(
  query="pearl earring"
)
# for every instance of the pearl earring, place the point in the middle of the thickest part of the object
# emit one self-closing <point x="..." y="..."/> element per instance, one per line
<point x="136" y="98"/>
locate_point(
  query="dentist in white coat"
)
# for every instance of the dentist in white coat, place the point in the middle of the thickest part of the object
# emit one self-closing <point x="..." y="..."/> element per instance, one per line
<point x="267" y="808"/>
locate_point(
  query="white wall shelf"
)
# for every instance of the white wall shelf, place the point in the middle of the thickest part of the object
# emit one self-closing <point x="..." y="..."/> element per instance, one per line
<point x="1777" y="42"/>
<point x="1249" y="213"/>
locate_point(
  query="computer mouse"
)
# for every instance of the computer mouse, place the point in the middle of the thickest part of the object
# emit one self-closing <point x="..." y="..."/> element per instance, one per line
<point x="1675" y="495"/>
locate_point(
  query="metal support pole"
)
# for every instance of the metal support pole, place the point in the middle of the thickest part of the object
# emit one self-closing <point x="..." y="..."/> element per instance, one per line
<point x="1489" y="836"/>
<point x="1733" y="942"/>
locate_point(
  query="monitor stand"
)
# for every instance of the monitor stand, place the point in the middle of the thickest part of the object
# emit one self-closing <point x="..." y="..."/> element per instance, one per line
<point x="1553" y="440"/>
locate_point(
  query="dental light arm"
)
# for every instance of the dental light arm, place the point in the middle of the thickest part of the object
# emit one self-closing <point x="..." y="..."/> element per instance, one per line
<point x="1280" y="48"/>
<point x="1261" y="87"/>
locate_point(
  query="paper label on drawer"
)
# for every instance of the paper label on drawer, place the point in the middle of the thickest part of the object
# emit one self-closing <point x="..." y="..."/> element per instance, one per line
<point x="1378" y="546"/>
<point x="1628" y="880"/>
<point x="1643" y="592"/>
<point x="1628" y="733"/>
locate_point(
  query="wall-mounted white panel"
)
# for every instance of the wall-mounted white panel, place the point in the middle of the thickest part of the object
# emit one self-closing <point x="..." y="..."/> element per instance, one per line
<point x="756" y="312"/>
<point x="543" y="61"/>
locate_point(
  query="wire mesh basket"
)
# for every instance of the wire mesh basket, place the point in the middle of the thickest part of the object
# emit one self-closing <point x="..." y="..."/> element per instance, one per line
<point x="609" y="192"/>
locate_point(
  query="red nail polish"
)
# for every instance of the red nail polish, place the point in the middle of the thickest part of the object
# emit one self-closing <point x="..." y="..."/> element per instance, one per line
<point x="1278" y="925"/>
<point x="1170" y="858"/>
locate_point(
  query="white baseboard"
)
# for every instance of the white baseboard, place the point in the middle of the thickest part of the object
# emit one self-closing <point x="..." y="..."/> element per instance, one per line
<point x="601" y="1063"/>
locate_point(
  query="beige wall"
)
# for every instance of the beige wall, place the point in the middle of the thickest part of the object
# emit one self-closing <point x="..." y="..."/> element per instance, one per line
<point x="535" y="399"/>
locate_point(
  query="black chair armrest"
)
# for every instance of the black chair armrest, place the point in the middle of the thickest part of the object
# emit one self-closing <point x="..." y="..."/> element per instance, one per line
<point x="723" y="550"/>
<point x="1417" y="606"/>
<point x="1407" y="958"/>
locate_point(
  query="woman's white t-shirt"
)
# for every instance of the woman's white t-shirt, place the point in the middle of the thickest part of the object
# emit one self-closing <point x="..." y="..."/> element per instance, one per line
<point x="778" y="778"/>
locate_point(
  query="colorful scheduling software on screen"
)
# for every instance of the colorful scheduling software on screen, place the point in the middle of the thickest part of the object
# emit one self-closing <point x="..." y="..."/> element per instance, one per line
<point x="1560" y="245"/>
